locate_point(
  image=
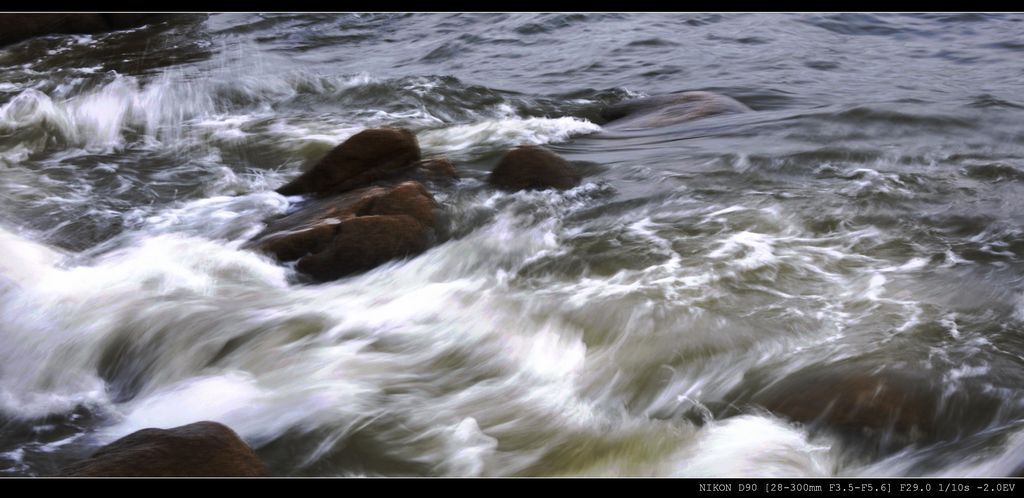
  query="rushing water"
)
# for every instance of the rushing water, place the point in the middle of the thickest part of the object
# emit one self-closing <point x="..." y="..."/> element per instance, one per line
<point x="669" y="316"/>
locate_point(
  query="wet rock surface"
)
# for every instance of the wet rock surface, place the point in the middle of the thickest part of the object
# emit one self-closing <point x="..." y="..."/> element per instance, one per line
<point x="366" y="157"/>
<point x="202" y="449"/>
<point x="366" y="207"/>
<point x="22" y="26"/>
<point x="666" y="110"/>
<point x="878" y="409"/>
<point x="353" y="232"/>
<point x="533" y="168"/>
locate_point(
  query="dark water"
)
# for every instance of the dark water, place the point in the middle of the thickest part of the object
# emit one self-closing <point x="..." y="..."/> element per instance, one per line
<point x="833" y="285"/>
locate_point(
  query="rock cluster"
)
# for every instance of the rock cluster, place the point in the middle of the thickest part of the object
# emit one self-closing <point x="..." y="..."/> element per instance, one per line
<point x="367" y="203"/>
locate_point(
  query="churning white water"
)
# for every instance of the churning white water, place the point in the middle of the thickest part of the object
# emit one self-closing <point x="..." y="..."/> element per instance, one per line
<point x="714" y="299"/>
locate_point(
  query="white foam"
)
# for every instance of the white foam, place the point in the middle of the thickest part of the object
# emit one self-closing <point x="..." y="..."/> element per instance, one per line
<point x="756" y="248"/>
<point x="100" y="117"/>
<point x="60" y="321"/>
<point x="238" y="400"/>
<point x="875" y="287"/>
<point x="754" y="446"/>
<point x="235" y="219"/>
<point x="24" y="260"/>
<point x="464" y="141"/>
<point x="175" y="109"/>
<point x="324" y="133"/>
<point x="32" y="108"/>
<point x="468" y="449"/>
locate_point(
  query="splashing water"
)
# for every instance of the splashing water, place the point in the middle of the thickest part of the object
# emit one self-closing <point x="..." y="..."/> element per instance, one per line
<point x="666" y="317"/>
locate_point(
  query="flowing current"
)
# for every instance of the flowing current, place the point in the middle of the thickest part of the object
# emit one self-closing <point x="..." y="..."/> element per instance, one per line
<point x="830" y="286"/>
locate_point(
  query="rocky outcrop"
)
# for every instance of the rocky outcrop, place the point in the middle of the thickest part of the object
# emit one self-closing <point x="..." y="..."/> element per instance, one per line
<point x="878" y="408"/>
<point x="18" y="27"/>
<point x="533" y="168"/>
<point x="665" y="110"/>
<point x="202" y="449"/>
<point x="353" y="232"/>
<point x="368" y="156"/>
<point x="855" y="401"/>
<point x="363" y="243"/>
<point x="366" y="209"/>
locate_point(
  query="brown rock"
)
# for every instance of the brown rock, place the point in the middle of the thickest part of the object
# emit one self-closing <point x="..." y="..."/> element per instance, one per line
<point x="352" y="227"/>
<point x="296" y="234"/>
<point x="438" y="169"/>
<point x="533" y="168"/>
<point x="409" y="198"/>
<point x="364" y="243"/>
<point x="366" y="157"/>
<point x="202" y="449"/>
<point x="665" y="110"/>
<point x="876" y="408"/>
<point x="853" y="400"/>
<point x="353" y="232"/>
<point x="294" y="244"/>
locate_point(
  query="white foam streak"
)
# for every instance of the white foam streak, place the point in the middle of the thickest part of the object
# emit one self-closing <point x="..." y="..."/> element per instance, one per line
<point x="464" y="141"/>
<point x="24" y="260"/>
<point x="756" y="250"/>
<point x="754" y="446"/>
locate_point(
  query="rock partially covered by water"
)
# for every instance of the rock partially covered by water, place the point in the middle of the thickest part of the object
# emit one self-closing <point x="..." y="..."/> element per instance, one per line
<point x="665" y="110"/>
<point x="878" y="408"/>
<point x="436" y="169"/>
<point x="368" y="156"/>
<point x="854" y="401"/>
<point x="353" y="232"/>
<point x="202" y="449"/>
<point x="18" y="27"/>
<point x="531" y="167"/>
<point x="363" y="243"/>
<point x="359" y="218"/>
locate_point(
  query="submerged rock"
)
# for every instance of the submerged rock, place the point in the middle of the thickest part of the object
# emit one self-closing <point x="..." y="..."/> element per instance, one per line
<point x="353" y="232"/>
<point x="879" y="409"/>
<point x="665" y="110"/>
<point x="18" y="27"/>
<point x="874" y="409"/>
<point x="851" y="400"/>
<point x="202" y="449"/>
<point x="530" y="167"/>
<point x="366" y="157"/>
